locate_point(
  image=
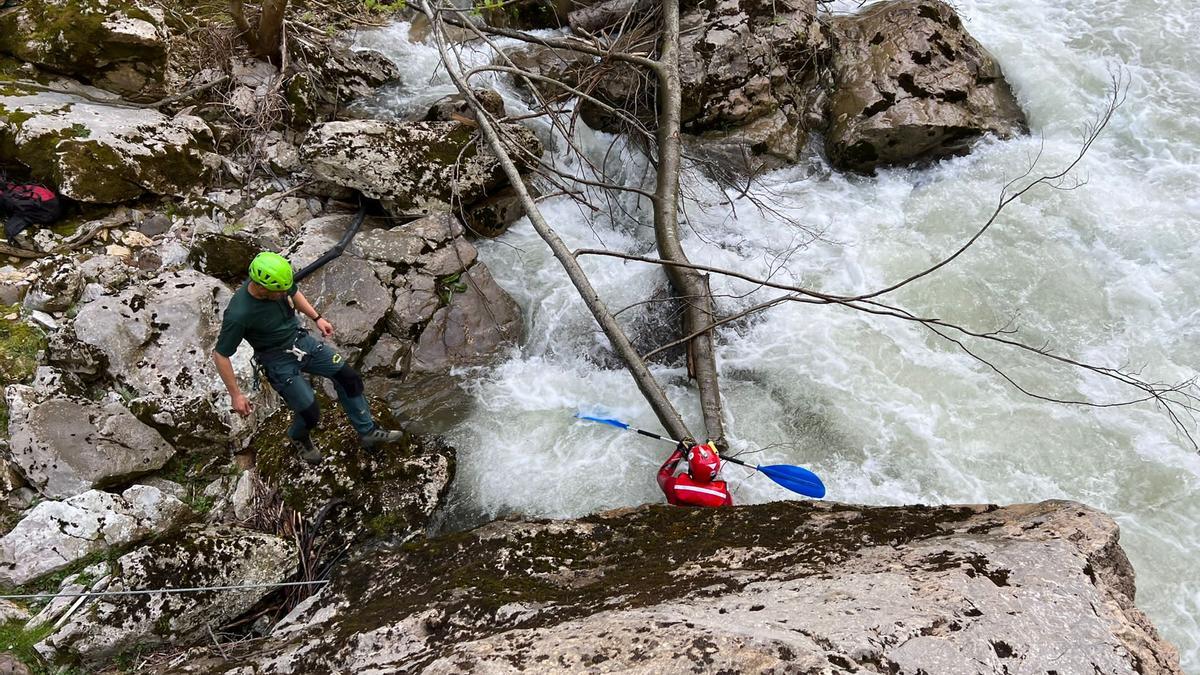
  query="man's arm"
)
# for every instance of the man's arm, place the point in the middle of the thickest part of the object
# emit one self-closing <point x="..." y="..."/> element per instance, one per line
<point x="241" y="405"/>
<point x="666" y="479"/>
<point x="305" y="307"/>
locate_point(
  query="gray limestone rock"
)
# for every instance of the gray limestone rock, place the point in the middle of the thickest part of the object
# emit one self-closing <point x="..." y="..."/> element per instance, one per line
<point x="55" y="534"/>
<point x="415" y="302"/>
<point x="911" y="83"/>
<point x="348" y="292"/>
<point x="103" y="154"/>
<point x="413" y="168"/>
<point x="66" y="445"/>
<point x="59" y="284"/>
<point x="116" y="45"/>
<point x="798" y="587"/>
<point x="477" y="322"/>
<point x="155" y="339"/>
<point x="454" y="108"/>
<point x="214" y="555"/>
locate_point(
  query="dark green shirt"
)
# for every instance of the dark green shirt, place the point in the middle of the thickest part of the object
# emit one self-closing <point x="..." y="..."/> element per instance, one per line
<point x="265" y="324"/>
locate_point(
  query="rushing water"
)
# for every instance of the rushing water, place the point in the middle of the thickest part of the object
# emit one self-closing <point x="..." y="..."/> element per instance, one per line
<point x="884" y="411"/>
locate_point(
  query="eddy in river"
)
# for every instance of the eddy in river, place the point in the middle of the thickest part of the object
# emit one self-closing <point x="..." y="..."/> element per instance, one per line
<point x="263" y="312"/>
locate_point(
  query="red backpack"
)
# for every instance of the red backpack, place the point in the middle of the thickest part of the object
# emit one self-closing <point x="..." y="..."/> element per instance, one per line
<point x="23" y="204"/>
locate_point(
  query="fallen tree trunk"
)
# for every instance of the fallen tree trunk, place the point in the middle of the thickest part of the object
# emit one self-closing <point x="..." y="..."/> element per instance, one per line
<point x="690" y="285"/>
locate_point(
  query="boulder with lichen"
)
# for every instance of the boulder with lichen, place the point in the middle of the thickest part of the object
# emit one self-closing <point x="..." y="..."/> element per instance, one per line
<point x="413" y="168"/>
<point x="781" y="587"/>
<point x="910" y="83"/>
<point x="101" y="153"/>
<point x="198" y="556"/>
<point x="117" y="45"/>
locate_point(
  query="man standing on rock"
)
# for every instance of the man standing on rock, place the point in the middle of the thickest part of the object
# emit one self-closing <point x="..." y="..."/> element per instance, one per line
<point x="263" y="312"/>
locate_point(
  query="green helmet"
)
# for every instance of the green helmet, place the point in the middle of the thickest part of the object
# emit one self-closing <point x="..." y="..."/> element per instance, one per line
<point x="271" y="271"/>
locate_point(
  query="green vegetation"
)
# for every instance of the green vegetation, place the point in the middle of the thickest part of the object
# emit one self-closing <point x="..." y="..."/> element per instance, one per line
<point x="19" y="347"/>
<point x="384" y="6"/>
<point x="19" y="642"/>
<point x="448" y="285"/>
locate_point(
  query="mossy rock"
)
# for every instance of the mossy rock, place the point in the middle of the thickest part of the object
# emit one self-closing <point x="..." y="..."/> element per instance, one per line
<point x="19" y="347"/>
<point x="393" y="489"/>
<point x="222" y="256"/>
<point x="116" y="45"/>
<point x="526" y="14"/>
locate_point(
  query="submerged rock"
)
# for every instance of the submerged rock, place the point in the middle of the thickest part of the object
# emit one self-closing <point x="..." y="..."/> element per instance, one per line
<point x="101" y="153"/>
<point x="214" y="555"/>
<point x="790" y="587"/>
<point x="911" y="83"/>
<point x="55" y="534"/>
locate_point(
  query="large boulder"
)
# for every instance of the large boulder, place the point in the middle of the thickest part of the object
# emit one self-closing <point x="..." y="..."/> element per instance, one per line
<point x="101" y="153"/>
<point x="739" y="60"/>
<point x="64" y="445"/>
<point x="413" y="168"/>
<point x="911" y="83"/>
<point x="214" y="555"/>
<point x="782" y="587"/>
<point x="117" y="45"/>
<point x="55" y="534"/>
<point x="155" y="339"/>
<point x="477" y="320"/>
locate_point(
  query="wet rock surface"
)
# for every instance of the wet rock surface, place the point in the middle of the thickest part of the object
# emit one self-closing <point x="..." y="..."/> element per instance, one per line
<point x="911" y="83"/>
<point x="792" y="587"/>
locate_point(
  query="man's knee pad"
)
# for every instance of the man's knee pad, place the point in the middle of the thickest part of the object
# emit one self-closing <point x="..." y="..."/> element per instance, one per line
<point x="311" y="415"/>
<point x="350" y="381"/>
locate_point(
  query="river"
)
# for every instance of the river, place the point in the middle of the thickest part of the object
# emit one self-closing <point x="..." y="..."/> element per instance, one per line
<point x="883" y="410"/>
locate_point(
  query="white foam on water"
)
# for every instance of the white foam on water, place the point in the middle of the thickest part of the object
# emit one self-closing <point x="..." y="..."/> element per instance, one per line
<point x="883" y="410"/>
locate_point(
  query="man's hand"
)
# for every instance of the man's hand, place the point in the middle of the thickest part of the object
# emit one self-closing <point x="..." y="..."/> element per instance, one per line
<point x="242" y="405"/>
<point x="325" y="327"/>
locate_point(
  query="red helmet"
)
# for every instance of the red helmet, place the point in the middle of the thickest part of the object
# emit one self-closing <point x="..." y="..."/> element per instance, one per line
<point x="703" y="462"/>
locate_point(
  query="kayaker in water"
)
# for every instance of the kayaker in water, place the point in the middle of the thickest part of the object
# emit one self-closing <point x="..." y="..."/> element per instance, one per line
<point x="697" y="487"/>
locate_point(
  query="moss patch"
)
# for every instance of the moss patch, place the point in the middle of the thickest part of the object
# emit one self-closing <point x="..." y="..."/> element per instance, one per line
<point x="19" y="347"/>
<point x="611" y="561"/>
<point x="19" y="642"/>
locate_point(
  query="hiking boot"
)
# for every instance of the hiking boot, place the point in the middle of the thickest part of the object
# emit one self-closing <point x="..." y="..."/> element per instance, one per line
<point x="306" y="450"/>
<point x="377" y="436"/>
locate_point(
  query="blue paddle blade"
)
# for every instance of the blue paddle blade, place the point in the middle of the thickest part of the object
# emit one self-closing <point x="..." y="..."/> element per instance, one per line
<point x="796" y="479"/>
<point x="615" y="423"/>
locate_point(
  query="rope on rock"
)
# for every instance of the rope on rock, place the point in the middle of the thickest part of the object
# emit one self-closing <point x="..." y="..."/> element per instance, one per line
<point x="197" y="589"/>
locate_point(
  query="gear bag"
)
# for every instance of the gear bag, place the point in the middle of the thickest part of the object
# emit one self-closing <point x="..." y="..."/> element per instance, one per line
<point x="24" y="204"/>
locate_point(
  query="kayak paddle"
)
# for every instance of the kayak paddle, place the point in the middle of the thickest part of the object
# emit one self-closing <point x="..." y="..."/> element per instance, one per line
<point x="795" y="478"/>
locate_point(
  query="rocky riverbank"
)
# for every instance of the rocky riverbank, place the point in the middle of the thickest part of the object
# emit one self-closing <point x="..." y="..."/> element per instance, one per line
<point x="182" y="155"/>
<point x="783" y="587"/>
